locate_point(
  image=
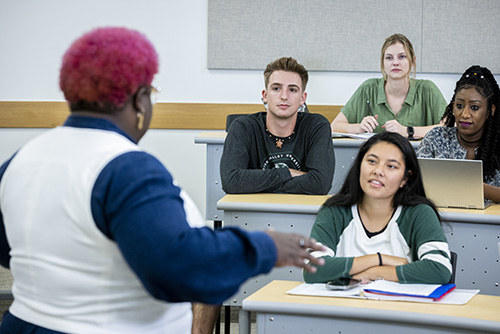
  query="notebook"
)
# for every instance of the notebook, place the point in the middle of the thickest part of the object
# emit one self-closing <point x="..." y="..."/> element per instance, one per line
<point x="453" y="183"/>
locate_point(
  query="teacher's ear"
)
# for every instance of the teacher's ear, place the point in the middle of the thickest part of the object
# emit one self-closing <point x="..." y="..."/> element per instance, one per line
<point x="493" y="108"/>
<point x="141" y="99"/>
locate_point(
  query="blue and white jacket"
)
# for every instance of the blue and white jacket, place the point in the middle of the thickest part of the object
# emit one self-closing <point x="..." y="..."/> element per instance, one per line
<point x="97" y="237"/>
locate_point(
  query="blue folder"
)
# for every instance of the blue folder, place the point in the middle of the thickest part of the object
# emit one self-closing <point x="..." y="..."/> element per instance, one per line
<point x="438" y="293"/>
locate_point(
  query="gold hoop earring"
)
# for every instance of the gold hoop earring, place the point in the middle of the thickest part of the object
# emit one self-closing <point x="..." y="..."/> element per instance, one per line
<point x="140" y="119"/>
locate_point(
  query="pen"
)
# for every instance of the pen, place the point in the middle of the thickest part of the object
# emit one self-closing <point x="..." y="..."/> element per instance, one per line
<point x="370" y="111"/>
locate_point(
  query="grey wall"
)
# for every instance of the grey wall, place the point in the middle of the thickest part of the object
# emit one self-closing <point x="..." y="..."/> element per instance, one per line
<point x="347" y="35"/>
<point x="34" y="35"/>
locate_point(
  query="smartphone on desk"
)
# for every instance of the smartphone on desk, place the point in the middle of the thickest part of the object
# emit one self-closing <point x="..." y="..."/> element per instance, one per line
<point x="342" y="284"/>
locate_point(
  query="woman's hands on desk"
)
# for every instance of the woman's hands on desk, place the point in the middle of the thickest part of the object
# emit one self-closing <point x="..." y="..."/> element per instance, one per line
<point x="491" y="192"/>
<point x="391" y="260"/>
<point x="386" y="272"/>
<point x="394" y="126"/>
<point x="368" y="124"/>
<point x="293" y="250"/>
<point x="341" y="124"/>
<point x="368" y="267"/>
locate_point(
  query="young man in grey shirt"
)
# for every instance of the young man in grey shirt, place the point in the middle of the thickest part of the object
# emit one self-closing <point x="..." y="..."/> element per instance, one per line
<point x="281" y="150"/>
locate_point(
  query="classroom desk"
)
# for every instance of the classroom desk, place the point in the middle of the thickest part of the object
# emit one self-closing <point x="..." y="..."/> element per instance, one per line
<point x="278" y="312"/>
<point x="473" y="234"/>
<point x="346" y="150"/>
<point x="214" y="192"/>
<point x="257" y="212"/>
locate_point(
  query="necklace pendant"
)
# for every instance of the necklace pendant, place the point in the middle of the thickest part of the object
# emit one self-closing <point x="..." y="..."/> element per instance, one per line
<point x="279" y="143"/>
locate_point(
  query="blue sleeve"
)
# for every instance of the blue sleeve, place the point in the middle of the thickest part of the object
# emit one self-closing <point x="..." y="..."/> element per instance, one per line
<point x="4" y="244"/>
<point x="136" y="204"/>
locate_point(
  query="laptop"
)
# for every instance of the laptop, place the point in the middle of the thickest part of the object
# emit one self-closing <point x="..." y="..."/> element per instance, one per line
<point x="452" y="183"/>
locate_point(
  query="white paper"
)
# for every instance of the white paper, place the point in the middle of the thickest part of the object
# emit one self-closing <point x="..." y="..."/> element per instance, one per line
<point x="456" y="297"/>
<point x="319" y="289"/>
<point x="365" y="135"/>
<point x="395" y="287"/>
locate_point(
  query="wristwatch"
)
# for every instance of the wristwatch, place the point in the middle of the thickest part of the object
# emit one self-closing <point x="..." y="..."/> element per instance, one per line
<point x="411" y="132"/>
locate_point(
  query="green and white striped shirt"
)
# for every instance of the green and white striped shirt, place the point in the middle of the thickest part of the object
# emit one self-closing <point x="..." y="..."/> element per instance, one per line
<point x="413" y="233"/>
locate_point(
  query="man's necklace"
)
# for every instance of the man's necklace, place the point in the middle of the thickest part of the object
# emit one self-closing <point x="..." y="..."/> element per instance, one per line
<point x="279" y="141"/>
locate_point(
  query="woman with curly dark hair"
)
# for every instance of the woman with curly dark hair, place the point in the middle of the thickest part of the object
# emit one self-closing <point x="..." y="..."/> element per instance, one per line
<point x="471" y="128"/>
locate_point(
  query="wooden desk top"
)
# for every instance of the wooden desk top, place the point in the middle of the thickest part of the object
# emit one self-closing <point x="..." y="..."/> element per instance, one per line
<point x="212" y="134"/>
<point x="481" y="307"/>
<point x="282" y="203"/>
<point x="493" y="209"/>
<point x="218" y="137"/>
<point x="296" y="203"/>
<point x="211" y="137"/>
<point x="276" y="198"/>
<point x="491" y="215"/>
<point x="207" y="136"/>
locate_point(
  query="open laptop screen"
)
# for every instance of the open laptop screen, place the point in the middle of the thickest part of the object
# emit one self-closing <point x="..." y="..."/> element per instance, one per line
<point x="452" y="183"/>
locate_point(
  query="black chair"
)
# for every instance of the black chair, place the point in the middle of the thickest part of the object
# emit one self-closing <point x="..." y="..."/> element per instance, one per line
<point x="230" y="118"/>
<point x="453" y="260"/>
<point x="6" y="295"/>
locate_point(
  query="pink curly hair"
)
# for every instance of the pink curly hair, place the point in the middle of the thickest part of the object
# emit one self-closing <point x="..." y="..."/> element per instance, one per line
<point x="104" y="67"/>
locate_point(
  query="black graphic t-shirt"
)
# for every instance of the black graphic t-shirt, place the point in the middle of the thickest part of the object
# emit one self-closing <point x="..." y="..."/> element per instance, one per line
<point x="282" y="160"/>
<point x="252" y="162"/>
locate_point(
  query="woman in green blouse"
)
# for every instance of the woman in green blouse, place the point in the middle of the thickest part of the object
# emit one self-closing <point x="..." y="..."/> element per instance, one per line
<point x="396" y="102"/>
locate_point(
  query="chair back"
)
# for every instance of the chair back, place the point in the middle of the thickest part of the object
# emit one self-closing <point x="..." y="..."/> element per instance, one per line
<point x="230" y="118"/>
<point x="453" y="260"/>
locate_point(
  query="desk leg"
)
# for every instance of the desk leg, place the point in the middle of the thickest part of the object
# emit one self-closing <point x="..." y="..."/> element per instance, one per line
<point x="217" y="224"/>
<point x="244" y="321"/>
<point x="217" y="325"/>
<point x="227" y="319"/>
<point x="227" y="309"/>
